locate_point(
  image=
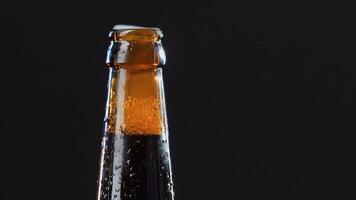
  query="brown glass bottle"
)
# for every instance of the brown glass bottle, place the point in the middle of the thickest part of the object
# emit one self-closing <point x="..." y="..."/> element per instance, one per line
<point x="135" y="159"/>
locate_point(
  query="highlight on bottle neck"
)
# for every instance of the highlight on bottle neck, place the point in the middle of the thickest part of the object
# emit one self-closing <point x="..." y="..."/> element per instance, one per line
<point x="135" y="47"/>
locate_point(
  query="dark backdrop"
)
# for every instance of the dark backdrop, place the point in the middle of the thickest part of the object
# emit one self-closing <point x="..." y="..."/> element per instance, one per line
<point x="259" y="96"/>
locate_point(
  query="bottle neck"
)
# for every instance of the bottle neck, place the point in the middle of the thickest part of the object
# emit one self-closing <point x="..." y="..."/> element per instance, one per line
<point x="135" y="102"/>
<point x="135" y="158"/>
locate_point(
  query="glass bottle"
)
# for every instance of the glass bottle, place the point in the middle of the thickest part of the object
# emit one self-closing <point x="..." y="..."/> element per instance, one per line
<point x="135" y="160"/>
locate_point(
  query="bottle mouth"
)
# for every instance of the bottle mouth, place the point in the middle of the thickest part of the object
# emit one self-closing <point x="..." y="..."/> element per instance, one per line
<point x="135" y="47"/>
<point x="132" y="32"/>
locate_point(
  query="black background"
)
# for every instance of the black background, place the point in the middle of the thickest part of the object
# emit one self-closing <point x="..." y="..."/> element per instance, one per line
<point x="259" y="96"/>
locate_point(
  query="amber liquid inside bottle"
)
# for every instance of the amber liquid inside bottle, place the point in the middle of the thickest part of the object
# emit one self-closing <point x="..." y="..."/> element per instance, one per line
<point x="140" y="169"/>
<point x="135" y="158"/>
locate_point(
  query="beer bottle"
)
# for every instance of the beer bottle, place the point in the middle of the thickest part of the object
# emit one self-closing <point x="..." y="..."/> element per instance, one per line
<point x="135" y="159"/>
